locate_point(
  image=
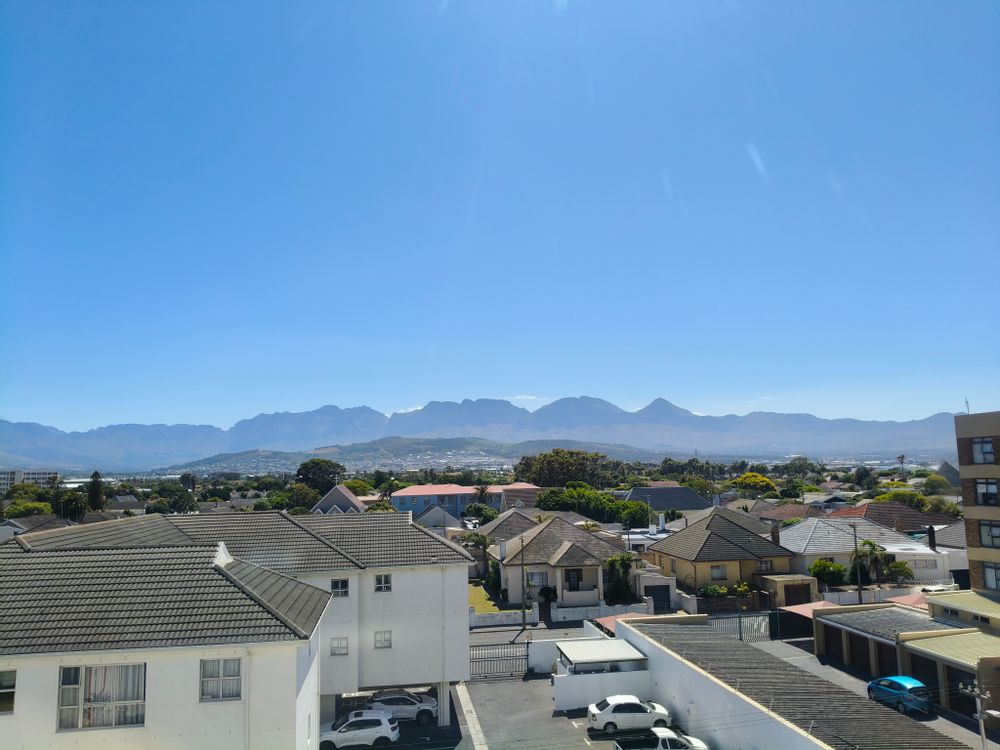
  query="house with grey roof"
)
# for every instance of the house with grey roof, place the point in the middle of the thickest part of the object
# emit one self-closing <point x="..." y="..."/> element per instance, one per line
<point x="668" y="498"/>
<point x="390" y="582"/>
<point x="516" y="521"/>
<point x="556" y="554"/>
<point x="11" y="526"/>
<point x="165" y="646"/>
<point x="339" y="499"/>
<point x="835" y="539"/>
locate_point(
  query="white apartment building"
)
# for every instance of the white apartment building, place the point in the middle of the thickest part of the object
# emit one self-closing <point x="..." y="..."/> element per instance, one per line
<point x="10" y="477"/>
<point x="162" y="647"/>
<point x="398" y="611"/>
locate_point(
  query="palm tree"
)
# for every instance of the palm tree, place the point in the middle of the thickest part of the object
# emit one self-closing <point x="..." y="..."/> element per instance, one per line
<point x="873" y="557"/>
<point x="483" y="494"/>
<point x="475" y="540"/>
<point x="902" y="470"/>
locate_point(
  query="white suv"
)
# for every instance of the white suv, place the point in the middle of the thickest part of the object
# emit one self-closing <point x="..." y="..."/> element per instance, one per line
<point x="361" y="729"/>
<point x="402" y="704"/>
<point x="625" y="712"/>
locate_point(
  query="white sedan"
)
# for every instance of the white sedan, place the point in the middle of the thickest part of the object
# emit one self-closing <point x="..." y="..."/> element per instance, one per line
<point x="402" y="704"/>
<point x="625" y="712"/>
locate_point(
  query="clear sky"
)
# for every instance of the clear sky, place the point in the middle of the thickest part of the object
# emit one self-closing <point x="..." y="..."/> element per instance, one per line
<point x="214" y="209"/>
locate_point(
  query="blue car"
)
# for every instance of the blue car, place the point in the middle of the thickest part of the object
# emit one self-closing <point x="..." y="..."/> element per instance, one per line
<point x="902" y="693"/>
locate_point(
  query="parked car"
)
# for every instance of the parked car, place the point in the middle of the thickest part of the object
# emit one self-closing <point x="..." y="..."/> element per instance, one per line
<point x="902" y="693"/>
<point x="361" y="729"/>
<point x="624" y="712"/>
<point x="402" y="704"/>
<point x="659" y="738"/>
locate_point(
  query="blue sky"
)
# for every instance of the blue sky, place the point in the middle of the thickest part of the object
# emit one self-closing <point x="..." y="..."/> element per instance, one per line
<point x="210" y="210"/>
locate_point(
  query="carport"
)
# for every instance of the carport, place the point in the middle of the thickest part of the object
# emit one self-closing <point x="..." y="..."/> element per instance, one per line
<point x="948" y="659"/>
<point x="588" y="670"/>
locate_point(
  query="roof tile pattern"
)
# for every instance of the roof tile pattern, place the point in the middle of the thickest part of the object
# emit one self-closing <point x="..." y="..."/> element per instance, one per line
<point x="830" y="535"/>
<point x="94" y="599"/>
<point x="539" y="545"/>
<point x="891" y="514"/>
<point x="722" y="535"/>
<point x="887" y="622"/>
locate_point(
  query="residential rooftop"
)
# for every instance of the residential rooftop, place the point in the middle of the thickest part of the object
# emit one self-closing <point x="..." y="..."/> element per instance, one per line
<point x="885" y="623"/>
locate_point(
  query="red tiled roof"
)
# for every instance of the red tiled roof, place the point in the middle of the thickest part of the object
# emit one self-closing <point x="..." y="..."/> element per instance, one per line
<point x="806" y="610"/>
<point x="608" y="623"/>
<point x="790" y="510"/>
<point x="434" y="489"/>
<point x="910" y="600"/>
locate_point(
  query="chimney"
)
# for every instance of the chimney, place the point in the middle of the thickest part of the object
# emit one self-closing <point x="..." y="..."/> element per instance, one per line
<point x="503" y="551"/>
<point x="932" y="538"/>
<point x="663" y="522"/>
<point x="776" y="532"/>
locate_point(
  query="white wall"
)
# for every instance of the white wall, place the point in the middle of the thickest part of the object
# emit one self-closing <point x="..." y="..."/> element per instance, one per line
<point x="574" y="691"/>
<point x="710" y="710"/>
<point x="277" y="695"/>
<point x="801" y="563"/>
<point x="542" y="655"/>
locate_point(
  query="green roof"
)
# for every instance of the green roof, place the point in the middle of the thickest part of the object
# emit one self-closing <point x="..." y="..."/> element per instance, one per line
<point x="962" y="648"/>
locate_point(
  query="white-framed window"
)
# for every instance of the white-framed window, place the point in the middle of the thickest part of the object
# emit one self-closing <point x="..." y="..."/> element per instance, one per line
<point x="925" y="563"/>
<point x="383" y="639"/>
<point x="719" y="573"/>
<point x="220" y="680"/>
<point x="105" y="696"/>
<point x="986" y="492"/>
<point x="537" y="578"/>
<point x="339" y="587"/>
<point x="991" y="576"/>
<point x="982" y="451"/>
<point x="338" y="646"/>
<point x="383" y="582"/>
<point x="765" y="566"/>
<point x="989" y="533"/>
<point x="8" y="681"/>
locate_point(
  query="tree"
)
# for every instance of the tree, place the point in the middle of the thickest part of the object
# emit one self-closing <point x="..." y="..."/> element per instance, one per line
<point x="27" y="508"/>
<point x="319" y="473"/>
<point x="828" y="572"/>
<point x="559" y="466"/>
<point x="907" y="497"/>
<point x="898" y="571"/>
<point x="302" y="496"/>
<point x="188" y="481"/>
<point x="95" y="492"/>
<point x="483" y="494"/>
<point x="23" y="492"/>
<point x="359" y="487"/>
<point x="940" y="505"/>
<point x="477" y="542"/>
<point x="902" y="465"/>
<point x="753" y="484"/>
<point x="872" y="557"/>
<point x="865" y="478"/>
<point x="380" y="506"/>
<point x="484" y="513"/>
<point x="589" y="526"/>
<point x="619" y="584"/>
<point x="703" y="487"/>
<point x="935" y="484"/>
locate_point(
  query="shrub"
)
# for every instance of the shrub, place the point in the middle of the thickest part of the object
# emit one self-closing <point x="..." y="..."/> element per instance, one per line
<point x="830" y="573"/>
<point x="898" y="571"/>
<point x="23" y="508"/>
<point x="786" y="522"/>
<point x="711" y="591"/>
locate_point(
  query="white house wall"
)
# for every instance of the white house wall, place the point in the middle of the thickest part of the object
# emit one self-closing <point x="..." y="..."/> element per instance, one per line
<point x="801" y="563"/>
<point x="278" y="704"/>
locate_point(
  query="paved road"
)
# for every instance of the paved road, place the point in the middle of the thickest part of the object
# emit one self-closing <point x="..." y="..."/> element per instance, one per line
<point x="799" y="653"/>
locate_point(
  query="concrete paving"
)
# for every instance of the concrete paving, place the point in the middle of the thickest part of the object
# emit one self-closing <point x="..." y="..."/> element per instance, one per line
<point x="799" y="652"/>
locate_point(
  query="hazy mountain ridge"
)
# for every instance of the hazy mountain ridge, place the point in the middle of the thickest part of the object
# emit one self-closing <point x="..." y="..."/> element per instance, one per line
<point x="659" y="427"/>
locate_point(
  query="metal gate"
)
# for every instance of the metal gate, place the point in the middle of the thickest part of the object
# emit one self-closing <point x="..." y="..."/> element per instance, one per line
<point x="498" y="660"/>
<point x="746" y="626"/>
<point x="661" y="599"/>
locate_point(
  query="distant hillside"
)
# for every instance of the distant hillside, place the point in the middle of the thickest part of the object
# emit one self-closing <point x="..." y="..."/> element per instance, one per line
<point x="397" y="453"/>
<point x="661" y="427"/>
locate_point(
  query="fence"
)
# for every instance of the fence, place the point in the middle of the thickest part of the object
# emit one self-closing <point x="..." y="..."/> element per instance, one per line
<point x="498" y="660"/>
<point x="753" y="627"/>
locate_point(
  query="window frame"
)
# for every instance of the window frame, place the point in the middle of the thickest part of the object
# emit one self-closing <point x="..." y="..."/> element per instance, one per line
<point x="574" y="582"/>
<point x="221" y="679"/>
<point x="383" y="639"/>
<point x="383" y="583"/>
<point x="982" y="495"/>
<point x="981" y="443"/>
<point x="541" y="575"/>
<point x="12" y="690"/>
<point x="343" y="647"/>
<point x="765" y="566"/>
<point x="340" y="593"/>
<point x="994" y="568"/>
<point x="991" y="530"/>
<point x="723" y="577"/>
<point x="81" y="705"/>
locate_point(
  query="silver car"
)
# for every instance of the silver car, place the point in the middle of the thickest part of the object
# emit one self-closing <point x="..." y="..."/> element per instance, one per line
<point x="402" y="704"/>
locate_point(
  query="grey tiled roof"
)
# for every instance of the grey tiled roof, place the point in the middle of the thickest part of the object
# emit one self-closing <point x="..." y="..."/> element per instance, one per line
<point x="538" y="545"/>
<point x="437" y="516"/>
<point x="885" y="623"/>
<point x="139" y="531"/>
<point x="668" y="498"/>
<point x="101" y="599"/>
<point x="385" y="539"/>
<point x="830" y="535"/>
<point x="518" y="520"/>
<point x="40" y="522"/>
<point x="952" y="536"/>
<point x="832" y="714"/>
<point x="722" y="535"/>
<point x="572" y="555"/>
<point x="339" y="498"/>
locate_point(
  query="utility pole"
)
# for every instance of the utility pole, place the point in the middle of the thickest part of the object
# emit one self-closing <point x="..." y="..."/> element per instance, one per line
<point x="857" y="560"/>
<point x="973" y="690"/>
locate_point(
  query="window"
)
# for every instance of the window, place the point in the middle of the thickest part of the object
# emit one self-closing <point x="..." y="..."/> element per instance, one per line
<point x="383" y="639"/>
<point x="673" y="565"/>
<point x="220" y="679"/>
<point x="574" y="577"/>
<point x="991" y="576"/>
<point x="982" y="451"/>
<point x="8" y="679"/>
<point x="383" y="582"/>
<point x="982" y="619"/>
<point x="989" y="533"/>
<point x="925" y="563"/>
<point x="986" y="492"/>
<point x="538" y="578"/>
<point x="718" y="572"/>
<point x="950" y="611"/>
<point x="339" y="587"/>
<point x="765" y="566"/>
<point x="111" y="696"/>
<point x="338" y="647"/>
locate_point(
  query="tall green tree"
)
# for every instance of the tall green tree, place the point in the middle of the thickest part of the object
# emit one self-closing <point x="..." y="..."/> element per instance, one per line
<point x="95" y="492"/>
<point x="188" y="481"/>
<point x="872" y="557"/>
<point x="753" y="484"/>
<point x="478" y="543"/>
<point x="320" y="473"/>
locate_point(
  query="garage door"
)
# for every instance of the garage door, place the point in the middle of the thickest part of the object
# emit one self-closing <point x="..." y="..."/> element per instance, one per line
<point x="925" y="670"/>
<point x="661" y="599"/>
<point x="960" y="702"/>
<point x="798" y="593"/>
<point x="834" y="647"/>
<point x="859" y="652"/>
<point x="887" y="662"/>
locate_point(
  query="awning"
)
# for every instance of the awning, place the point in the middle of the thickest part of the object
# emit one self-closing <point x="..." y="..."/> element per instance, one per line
<point x="598" y="651"/>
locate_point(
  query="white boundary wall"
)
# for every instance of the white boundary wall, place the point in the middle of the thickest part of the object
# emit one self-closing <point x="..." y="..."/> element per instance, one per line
<point x="542" y="655"/>
<point x="574" y="691"/>
<point x="564" y="614"/>
<point x="711" y="710"/>
<point x="507" y="617"/>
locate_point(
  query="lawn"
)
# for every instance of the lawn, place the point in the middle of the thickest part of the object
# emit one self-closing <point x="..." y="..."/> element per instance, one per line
<point x="480" y="601"/>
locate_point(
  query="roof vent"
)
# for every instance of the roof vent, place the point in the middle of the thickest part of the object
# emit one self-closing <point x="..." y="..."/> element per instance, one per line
<point x="222" y="556"/>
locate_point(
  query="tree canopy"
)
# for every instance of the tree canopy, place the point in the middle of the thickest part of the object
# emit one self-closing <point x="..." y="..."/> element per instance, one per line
<point x="753" y="484"/>
<point x="320" y="473"/>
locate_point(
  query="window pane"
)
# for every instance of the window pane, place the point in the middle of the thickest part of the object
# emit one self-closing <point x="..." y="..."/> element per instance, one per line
<point x="131" y="683"/>
<point x="6" y="701"/>
<point x="211" y="689"/>
<point x="7" y="679"/>
<point x="97" y="685"/>
<point x="70" y="676"/>
<point x="69" y="696"/>
<point x="231" y="668"/>
<point x="210" y="668"/>
<point x="231" y="687"/>
<point x="130" y="715"/>
<point x="98" y="716"/>
<point x="68" y="718"/>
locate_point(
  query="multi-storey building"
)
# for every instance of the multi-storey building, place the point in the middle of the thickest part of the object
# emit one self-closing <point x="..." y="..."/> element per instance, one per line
<point x="10" y="477"/>
<point x="978" y="437"/>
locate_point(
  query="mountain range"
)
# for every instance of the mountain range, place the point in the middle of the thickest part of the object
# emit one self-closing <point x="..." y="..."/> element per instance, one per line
<point x="659" y="427"/>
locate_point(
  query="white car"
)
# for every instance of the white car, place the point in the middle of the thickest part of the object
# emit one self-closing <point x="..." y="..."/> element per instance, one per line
<point x="618" y="713"/>
<point x="361" y="729"/>
<point x="662" y="739"/>
<point x="402" y="704"/>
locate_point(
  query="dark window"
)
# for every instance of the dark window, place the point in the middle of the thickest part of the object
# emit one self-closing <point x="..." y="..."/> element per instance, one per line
<point x="8" y="680"/>
<point x="982" y="451"/>
<point x="573" y="578"/>
<point x="989" y="533"/>
<point x="383" y="582"/>
<point x="339" y="587"/>
<point x="220" y="680"/>
<point x="986" y="492"/>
